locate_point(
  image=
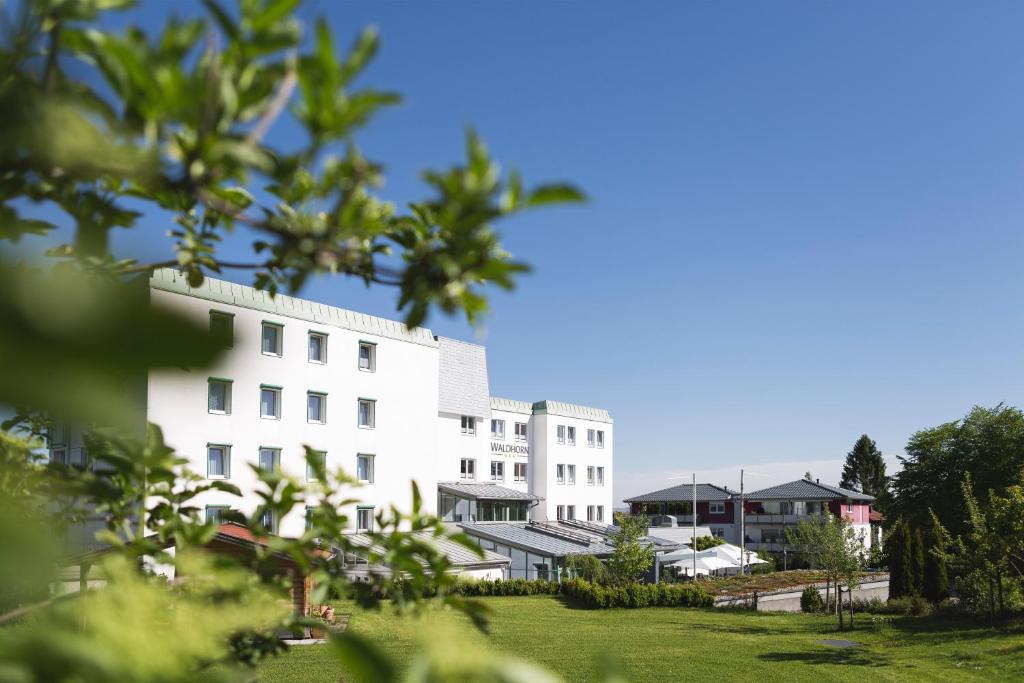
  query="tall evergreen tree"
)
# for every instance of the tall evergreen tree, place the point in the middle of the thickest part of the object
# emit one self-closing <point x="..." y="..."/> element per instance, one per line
<point x="901" y="580"/>
<point x="936" y="579"/>
<point x="917" y="558"/>
<point x="864" y="469"/>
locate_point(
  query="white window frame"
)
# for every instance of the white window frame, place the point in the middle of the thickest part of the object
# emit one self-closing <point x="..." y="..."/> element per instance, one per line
<point x="591" y="512"/>
<point x="371" y="413"/>
<point x="497" y="470"/>
<point x="467" y="473"/>
<point x="521" y="431"/>
<point x="560" y="512"/>
<point x="570" y="435"/>
<point x="225" y="450"/>
<point x="370" y="460"/>
<point x="323" y="407"/>
<point x="322" y="336"/>
<point x="364" y="512"/>
<point x="268" y="515"/>
<point x="600" y="438"/>
<point x="570" y="474"/>
<point x="467" y="424"/>
<point x="590" y="438"/>
<point x="371" y="356"/>
<point x="849" y="507"/>
<point x="600" y="476"/>
<point x="600" y="513"/>
<point x="275" y="458"/>
<point x="500" y="432"/>
<point x="278" y="352"/>
<point x="716" y="507"/>
<point x="219" y="516"/>
<point x="560" y="434"/>
<point x="226" y="383"/>
<point x="590" y="475"/>
<point x="277" y="391"/>
<point x="559" y="474"/>
<point x="517" y="467"/>
<point x="570" y="512"/>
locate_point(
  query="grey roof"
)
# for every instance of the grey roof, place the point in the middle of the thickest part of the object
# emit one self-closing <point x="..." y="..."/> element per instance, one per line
<point x="458" y="554"/>
<point x="511" y="405"/>
<point x="483" y="491"/>
<point x="805" y="489"/>
<point x="522" y="536"/>
<point x="462" y="383"/>
<point x="684" y="492"/>
<point x="221" y="291"/>
<point x="572" y="410"/>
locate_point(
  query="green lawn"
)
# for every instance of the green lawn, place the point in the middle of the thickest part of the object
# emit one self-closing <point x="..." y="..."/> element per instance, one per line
<point x="672" y="643"/>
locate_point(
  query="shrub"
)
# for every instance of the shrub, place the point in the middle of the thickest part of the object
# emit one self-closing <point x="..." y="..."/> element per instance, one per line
<point x="636" y="595"/>
<point x="913" y="605"/>
<point x="810" y="600"/>
<point x="586" y="567"/>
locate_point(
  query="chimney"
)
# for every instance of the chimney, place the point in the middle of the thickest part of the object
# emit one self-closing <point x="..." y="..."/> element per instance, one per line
<point x="817" y="481"/>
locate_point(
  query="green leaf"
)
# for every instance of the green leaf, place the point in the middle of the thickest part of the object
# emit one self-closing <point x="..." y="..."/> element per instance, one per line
<point x="362" y="659"/>
<point x="554" y="194"/>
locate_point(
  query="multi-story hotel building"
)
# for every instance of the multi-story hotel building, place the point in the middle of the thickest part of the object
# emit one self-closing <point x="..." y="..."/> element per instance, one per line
<point x="387" y="404"/>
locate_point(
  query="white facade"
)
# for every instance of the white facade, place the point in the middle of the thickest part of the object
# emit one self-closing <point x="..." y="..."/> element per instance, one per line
<point x="296" y="375"/>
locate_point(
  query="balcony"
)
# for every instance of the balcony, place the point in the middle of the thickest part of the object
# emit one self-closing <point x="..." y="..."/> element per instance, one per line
<point x="767" y="518"/>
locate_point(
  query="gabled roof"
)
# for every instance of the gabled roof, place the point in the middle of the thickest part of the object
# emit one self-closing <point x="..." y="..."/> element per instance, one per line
<point x="805" y="489"/>
<point x="483" y="491"/>
<point x="684" y="492"/>
<point x="571" y="410"/>
<point x="221" y="291"/>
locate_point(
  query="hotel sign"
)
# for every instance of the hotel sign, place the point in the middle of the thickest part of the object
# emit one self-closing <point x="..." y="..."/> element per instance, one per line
<point x="509" y="448"/>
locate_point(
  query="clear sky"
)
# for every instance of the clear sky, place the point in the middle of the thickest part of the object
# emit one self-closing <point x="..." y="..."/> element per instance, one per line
<point x="805" y="218"/>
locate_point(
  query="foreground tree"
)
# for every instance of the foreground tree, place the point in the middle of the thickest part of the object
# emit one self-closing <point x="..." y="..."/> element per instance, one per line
<point x="864" y="469"/>
<point x="900" y="552"/>
<point x="936" y="577"/>
<point x="917" y="562"/>
<point x="833" y="546"/>
<point x="120" y="129"/>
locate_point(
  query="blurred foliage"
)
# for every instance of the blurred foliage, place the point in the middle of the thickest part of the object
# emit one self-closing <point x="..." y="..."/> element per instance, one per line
<point x="104" y="128"/>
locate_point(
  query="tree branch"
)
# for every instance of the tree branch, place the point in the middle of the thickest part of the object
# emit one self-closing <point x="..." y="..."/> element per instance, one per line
<point x="281" y="97"/>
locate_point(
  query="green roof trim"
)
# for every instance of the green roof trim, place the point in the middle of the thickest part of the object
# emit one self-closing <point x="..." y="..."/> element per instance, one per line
<point x="220" y="379"/>
<point x="214" y="311"/>
<point x="317" y="392"/>
<point x="271" y="386"/>
<point x="320" y="332"/>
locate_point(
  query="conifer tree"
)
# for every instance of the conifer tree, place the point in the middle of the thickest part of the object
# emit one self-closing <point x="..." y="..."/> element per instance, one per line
<point x="936" y="578"/>
<point x="917" y="558"/>
<point x="900" y="561"/>
<point x="864" y="469"/>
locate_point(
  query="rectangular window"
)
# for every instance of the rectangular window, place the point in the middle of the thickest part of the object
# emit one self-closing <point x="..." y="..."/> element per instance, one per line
<point x="272" y="339"/>
<point x="218" y="461"/>
<point x="716" y="508"/>
<point x="364" y="519"/>
<point x="367" y="356"/>
<point x="600" y="439"/>
<point x="59" y="456"/>
<point x="560" y="434"/>
<point x="849" y="507"/>
<point x="600" y="476"/>
<point x="570" y="512"/>
<point x="572" y="436"/>
<point x="218" y="396"/>
<point x="367" y="413"/>
<point x="560" y="512"/>
<point x="497" y="470"/>
<point x="222" y="328"/>
<point x="216" y="513"/>
<point x="600" y="513"/>
<point x="317" y="347"/>
<point x="316" y="407"/>
<point x="319" y="461"/>
<point x="270" y="402"/>
<point x="270" y="459"/>
<point x="560" y="474"/>
<point x="57" y="434"/>
<point x="572" y="474"/>
<point x="498" y="429"/>
<point x="268" y="521"/>
<point x="590" y="476"/>
<point x="364" y="468"/>
<point x="310" y="512"/>
<point x="591" y="513"/>
<point x="519" y="470"/>
<point x="520" y="431"/>
<point x="468" y="425"/>
<point x="590" y="438"/>
<point x="467" y="469"/>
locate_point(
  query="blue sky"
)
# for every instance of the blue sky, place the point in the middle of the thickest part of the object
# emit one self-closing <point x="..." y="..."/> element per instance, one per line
<point x="804" y="219"/>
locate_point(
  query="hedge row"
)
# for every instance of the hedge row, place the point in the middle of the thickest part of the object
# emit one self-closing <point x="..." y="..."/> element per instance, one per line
<point x="596" y="596"/>
<point x="481" y="588"/>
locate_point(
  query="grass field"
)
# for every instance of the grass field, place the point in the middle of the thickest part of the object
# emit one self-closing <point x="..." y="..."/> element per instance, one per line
<point x="672" y="643"/>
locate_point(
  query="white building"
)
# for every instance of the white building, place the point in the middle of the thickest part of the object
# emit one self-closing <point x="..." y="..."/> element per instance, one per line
<point x="383" y="402"/>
